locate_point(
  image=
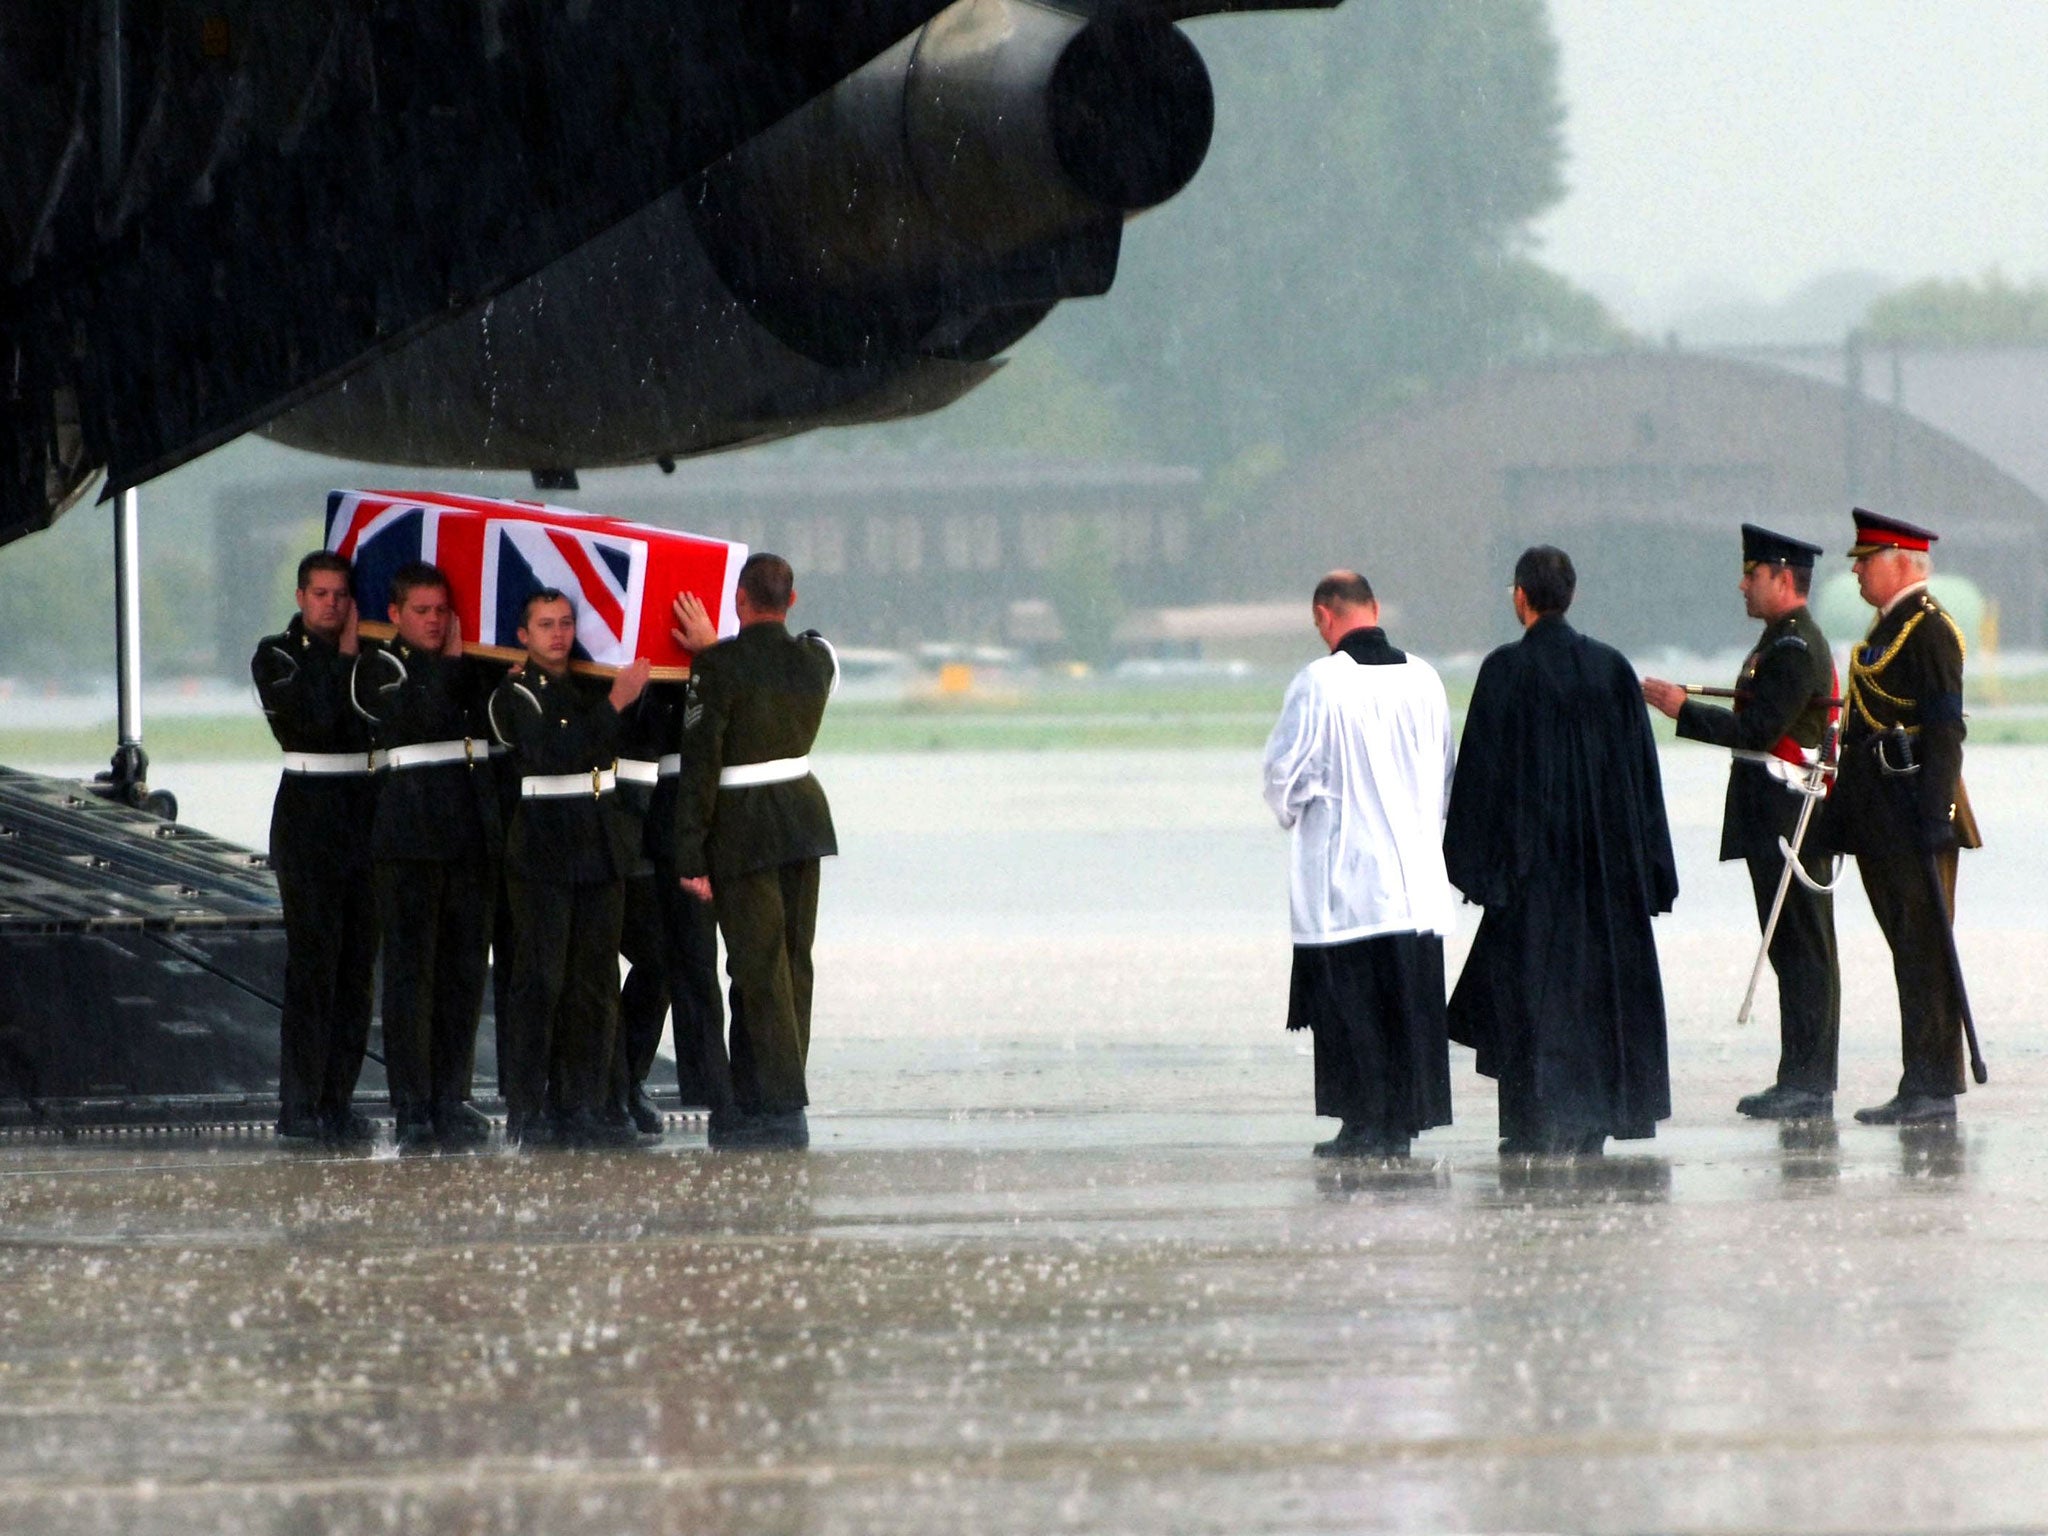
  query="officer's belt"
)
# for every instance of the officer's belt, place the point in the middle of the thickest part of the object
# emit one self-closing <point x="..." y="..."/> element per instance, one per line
<point x="637" y="770"/>
<point x="777" y="770"/>
<point x="562" y="786"/>
<point x="333" y="763"/>
<point x="1779" y="764"/>
<point x="426" y="754"/>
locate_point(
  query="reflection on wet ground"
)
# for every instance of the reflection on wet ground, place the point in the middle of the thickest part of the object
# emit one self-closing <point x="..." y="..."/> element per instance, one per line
<point x="1166" y="1322"/>
<point x="1060" y="1258"/>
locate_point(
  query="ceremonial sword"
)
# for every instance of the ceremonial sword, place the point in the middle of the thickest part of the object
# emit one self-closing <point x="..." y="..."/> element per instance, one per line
<point x="1811" y="789"/>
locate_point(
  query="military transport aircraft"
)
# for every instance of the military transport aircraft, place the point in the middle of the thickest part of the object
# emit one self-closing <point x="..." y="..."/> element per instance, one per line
<point x="532" y="234"/>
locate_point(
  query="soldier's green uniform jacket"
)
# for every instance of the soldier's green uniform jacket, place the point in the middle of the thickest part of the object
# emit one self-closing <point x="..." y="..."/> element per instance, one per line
<point x="755" y="698"/>
<point x="413" y="697"/>
<point x="1781" y="710"/>
<point x="319" y="819"/>
<point x="560" y="728"/>
<point x="1908" y="673"/>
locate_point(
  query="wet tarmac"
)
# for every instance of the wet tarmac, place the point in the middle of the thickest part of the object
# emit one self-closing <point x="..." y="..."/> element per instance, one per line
<point x="1059" y="1257"/>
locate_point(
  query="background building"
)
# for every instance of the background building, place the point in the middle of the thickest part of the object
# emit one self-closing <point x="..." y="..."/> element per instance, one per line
<point x="1640" y="464"/>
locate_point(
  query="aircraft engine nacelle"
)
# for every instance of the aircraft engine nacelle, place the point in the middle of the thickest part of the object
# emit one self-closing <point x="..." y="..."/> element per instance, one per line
<point x="867" y="257"/>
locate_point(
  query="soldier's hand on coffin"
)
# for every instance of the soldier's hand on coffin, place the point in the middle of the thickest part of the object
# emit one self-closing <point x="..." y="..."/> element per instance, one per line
<point x="698" y="886"/>
<point x="630" y="680"/>
<point x="451" y="645"/>
<point x="694" y="630"/>
<point x="351" y="642"/>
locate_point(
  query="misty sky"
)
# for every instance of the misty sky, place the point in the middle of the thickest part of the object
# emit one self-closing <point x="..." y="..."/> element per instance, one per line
<point x="1722" y="148"/>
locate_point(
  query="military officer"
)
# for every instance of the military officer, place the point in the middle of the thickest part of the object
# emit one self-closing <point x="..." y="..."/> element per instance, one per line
<point x="670" y="938"/>
<point x="751" y="826"/>
<point x="1782" y="708"/>
<point x="434" y="846"/>
<point x="1899" y="806"/>
<point x="319" y="846"/>
<point x="567" y="855"/>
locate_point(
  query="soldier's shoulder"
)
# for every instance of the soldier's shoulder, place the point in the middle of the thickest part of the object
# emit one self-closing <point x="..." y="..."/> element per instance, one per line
<point x="274" y="654"/>
<point x="1805" y="625"/>
<point x="1940" y="624"/>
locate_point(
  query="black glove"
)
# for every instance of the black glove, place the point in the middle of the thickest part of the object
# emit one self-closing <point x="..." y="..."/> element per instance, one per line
<point x="1937" y="834"/>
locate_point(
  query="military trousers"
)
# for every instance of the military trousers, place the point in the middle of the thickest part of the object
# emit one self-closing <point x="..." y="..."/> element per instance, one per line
<point x="1809" y="975"/>
<point x="330" y="934"/>
<point x="768" y="918"/>
<point x="436" y="920"/>
<point x="670" y="940"/>
<point x="563" y="1004"/>
<point x="1930" y="1014"/>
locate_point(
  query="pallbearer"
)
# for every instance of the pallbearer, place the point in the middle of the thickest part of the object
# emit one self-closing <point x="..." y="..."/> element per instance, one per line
<point x="434" y="847"/>
<point x="567" y="854"/>
<point x="751" y="825"/>
<point x="1899" y="805"/>
<point x="320" y="848"/>
<point x="1359" y="769"/>
<point x="1782" y="709"/>
<point x="670" y="937"/>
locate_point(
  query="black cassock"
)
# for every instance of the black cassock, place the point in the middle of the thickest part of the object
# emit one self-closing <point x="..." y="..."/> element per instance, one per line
<point x="1556" y="827"/>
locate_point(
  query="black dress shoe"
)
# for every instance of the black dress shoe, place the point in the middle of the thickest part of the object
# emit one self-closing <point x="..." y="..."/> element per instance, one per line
<point x="646" y="1118"/>
<point x="732" y="1131"/>
<point x="1556" y="1144"/>
<point x="458" y="1124"/>
<point x="1910" y="1109"/>
<point x="346" y="1128"/>
<point x="1357" y="1139"/>
<point x="299" y="1125"/>
<point x="1779" y="1102"/>
<point x="414" y="1131"/>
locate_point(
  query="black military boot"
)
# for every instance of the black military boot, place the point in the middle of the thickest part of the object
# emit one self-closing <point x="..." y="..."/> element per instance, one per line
<point x="1910" y="1109"/>
<point x="732" y="1131"/>
<point x="531" y="1130"/>
<point x="414" y="1131"/>
<point x="646" y="1118"/>
<point x="345" y="1128"/>
<point x="588" y="1128"/>
<point x="1779" y="1102"/>
<point x="458" y="1125"/>
<point x="299" y="1125"/>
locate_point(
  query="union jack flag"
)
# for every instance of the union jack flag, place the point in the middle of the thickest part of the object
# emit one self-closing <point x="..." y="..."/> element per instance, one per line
<point x="621" y="575"/>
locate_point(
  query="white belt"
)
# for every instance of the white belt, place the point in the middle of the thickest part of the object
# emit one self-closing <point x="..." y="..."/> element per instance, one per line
<point x="1789" y="774"/>
<point x="635" y="770"/>
<point x="671" y="765"/>
<point x="560" y="786"/>
<point x="336" y="763"/>
<point x="427" y="753"/>
<point x="778" y="770"/>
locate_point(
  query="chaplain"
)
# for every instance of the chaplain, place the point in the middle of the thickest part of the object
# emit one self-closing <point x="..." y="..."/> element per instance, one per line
<point x="319" y="847"/>
<point x="1782" y="708"/>
<point x="1358" y="769"/>
<point x="1556" y="827"/>
<point x="1899" y="805"/>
